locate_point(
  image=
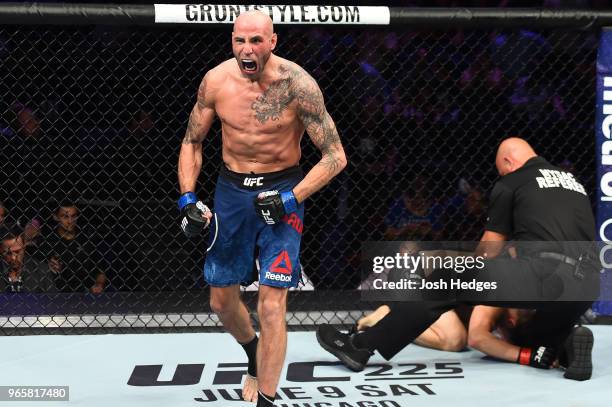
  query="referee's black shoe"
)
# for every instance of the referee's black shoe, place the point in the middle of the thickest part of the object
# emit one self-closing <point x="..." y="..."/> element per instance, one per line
<point x="341" y="346"/>
<point x="578" y="347"/>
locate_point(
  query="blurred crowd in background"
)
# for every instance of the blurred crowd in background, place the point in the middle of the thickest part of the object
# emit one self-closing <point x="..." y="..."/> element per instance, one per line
<point x="92" y="119"/>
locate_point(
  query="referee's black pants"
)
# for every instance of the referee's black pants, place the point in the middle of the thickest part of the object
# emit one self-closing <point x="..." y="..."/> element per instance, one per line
<point x="547" y="286"/>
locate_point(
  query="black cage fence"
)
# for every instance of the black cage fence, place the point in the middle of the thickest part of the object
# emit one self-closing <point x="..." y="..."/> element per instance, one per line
<point x="92" y="119"/>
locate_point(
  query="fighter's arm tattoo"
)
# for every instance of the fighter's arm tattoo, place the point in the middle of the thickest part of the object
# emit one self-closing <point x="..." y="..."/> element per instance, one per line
<point x="317" y="121"/>
<point x="200" y="118"/>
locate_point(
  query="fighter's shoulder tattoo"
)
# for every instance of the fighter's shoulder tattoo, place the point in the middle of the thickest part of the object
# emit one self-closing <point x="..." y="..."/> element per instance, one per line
<point x="310" y="106"/>
<point x="277" y="98"/>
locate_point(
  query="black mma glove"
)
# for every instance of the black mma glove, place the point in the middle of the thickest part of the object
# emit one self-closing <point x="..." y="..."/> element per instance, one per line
<point x="271" y="206"/>
<point x="192" y="210"/>
<point x="541" y="357"/>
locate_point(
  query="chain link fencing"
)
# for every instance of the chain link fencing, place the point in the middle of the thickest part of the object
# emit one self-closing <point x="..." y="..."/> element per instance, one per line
<point x="93" y="117"/>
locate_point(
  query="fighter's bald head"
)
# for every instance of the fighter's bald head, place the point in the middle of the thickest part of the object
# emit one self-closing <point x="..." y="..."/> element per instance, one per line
<point x="512" y="154"/>
<point x="254" y="20"/>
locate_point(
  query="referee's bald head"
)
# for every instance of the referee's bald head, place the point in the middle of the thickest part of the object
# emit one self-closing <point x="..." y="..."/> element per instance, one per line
<point x="512" y="154"/>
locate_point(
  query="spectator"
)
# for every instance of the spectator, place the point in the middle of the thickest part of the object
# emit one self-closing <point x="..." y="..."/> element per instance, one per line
<point x="138" y="172"/>
<point x="465" y="215"/>
<point x="24" y="121"/>
<point x="21" y="273"/>
<point x="6" y="224"/>
<point x="414" y="216"/>
<point x="369" y="214"/>
<point x="4" y="231"/>
<point x="26" y="160"/>
<point x="100" y="283"/>
<point x="33" y="239"/>
<point x="3" y="215"/>
<point x="72" y="255"/>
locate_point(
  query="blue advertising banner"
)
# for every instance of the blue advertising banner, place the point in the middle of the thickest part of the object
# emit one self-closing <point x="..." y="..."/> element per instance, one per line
<point x="603" y="145"/>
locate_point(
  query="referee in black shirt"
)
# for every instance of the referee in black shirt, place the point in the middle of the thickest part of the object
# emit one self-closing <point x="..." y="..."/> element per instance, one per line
<point x="546" y="213"/>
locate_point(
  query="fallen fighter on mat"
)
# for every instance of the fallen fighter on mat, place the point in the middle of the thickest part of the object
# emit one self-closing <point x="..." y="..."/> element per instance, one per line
<point x="496" y="332"/>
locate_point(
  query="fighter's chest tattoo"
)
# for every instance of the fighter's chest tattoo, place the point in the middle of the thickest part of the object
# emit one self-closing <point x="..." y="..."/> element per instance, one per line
<point x="274" y="101"/>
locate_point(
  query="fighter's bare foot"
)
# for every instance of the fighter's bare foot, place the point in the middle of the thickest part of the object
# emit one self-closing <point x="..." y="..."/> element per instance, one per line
<point x="249" y="390"/>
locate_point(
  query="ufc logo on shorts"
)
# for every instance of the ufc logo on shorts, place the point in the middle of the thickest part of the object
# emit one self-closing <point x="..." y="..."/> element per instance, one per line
<point x="251" y="182"/>
<point x="267" y="218"/>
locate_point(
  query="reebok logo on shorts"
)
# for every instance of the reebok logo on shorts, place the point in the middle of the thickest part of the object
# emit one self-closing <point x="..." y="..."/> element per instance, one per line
<point x="280" y="270"/>
<point x="278" y="277"/>
<point x="282" y="264"/>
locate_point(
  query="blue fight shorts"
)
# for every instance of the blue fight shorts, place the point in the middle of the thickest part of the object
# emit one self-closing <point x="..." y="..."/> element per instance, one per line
<point x="236" y="232"/>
